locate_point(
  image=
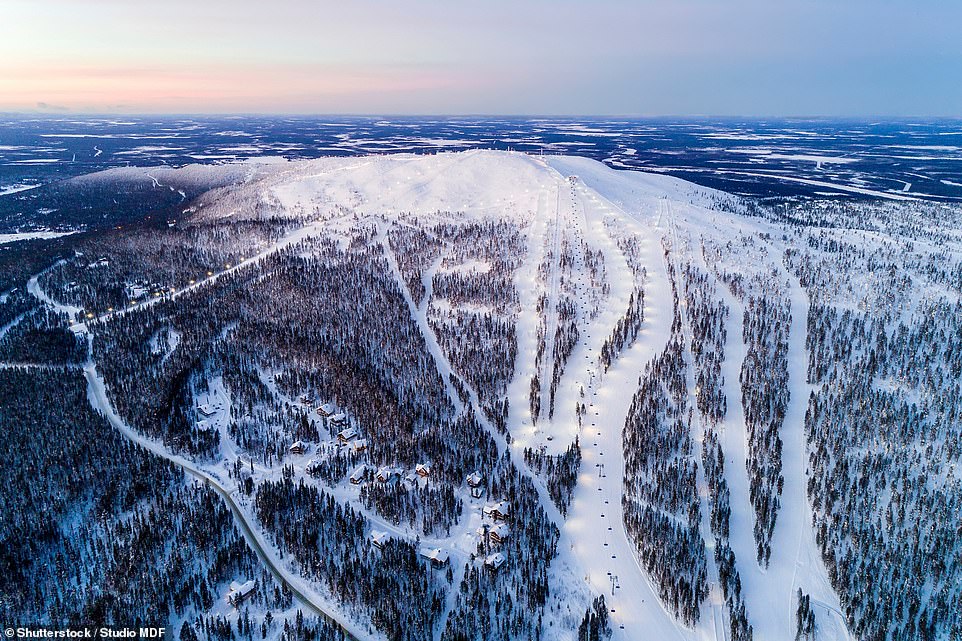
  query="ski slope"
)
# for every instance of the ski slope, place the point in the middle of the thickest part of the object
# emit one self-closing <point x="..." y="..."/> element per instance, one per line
<point x="796" y="562"/>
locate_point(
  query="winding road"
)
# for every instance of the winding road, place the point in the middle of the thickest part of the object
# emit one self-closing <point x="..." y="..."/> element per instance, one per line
<point x="97" y="395"/>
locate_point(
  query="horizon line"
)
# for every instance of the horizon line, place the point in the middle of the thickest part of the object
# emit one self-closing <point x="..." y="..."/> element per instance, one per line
<point x="530" y="116"/>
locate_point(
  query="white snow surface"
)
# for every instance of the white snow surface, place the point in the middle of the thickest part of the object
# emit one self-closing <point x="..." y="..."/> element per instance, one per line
<point x="633" y="198"/>
<point x="15" y="189"/>
<point x="32" y="235"/>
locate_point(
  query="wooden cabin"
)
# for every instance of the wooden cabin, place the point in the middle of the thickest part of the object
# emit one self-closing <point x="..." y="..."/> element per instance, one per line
<point x="358" y="474"/>
<point x="499" y="533"/>
<point x="239" y="592"/>
<point x="297" y="447"/>
<point x="437" y="556"/>
<point x="476" y="484"/>
<point x="495" y="561"/>
<point x="386" y="475"/>
<point x="499" y="511"/>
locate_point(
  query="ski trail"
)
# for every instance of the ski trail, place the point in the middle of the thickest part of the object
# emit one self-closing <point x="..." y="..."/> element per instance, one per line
<point x="43" y="367"/>
<point x="770" y="593"/>
<point x="799" y="556"/>
<point x="733" y="438"/>
<point x="419" y="316"/>
<point x="527" y="285"/>
<point x="427" y="280"/>
<point x="594" y="534"/>
<point x="16" y="321"/>
<point x="286" y="241"/>
<point x="716" y="597"/>
<point x="551" y="314"/>
<point x="446" y="370"/>
<point x="459" y="559"/>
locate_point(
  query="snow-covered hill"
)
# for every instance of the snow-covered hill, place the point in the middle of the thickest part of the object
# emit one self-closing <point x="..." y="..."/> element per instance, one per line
<point x="556" y="380"/>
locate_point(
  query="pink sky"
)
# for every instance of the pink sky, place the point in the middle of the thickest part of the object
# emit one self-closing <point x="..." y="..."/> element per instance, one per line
<point x="499" y="56"/>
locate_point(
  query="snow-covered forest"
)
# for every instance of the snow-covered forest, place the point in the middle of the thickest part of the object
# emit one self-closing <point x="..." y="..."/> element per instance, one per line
<point x="487" y="395"/>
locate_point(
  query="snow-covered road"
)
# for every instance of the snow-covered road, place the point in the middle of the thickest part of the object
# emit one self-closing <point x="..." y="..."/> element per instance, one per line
<point x="97" y="394"/>
<point x="302" y="591"/>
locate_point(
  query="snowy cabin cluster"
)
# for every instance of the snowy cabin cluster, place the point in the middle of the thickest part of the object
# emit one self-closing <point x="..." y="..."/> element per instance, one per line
<point x="388" y="474"/>
<point x="348" y="435"/>
<point x="494" y="529"/>
<point x="437" y="557"/>
<point x="347" y="439"/>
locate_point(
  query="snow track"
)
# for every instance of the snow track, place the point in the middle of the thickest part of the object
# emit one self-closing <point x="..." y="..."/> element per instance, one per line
<point x="771" y="593"/>
<point x="794" y="539"/>
<point x="45" y="367"/>
<point x="551" y="311"/>
<point x="594" y="536"/>
<point x="419" y="315"/>
<point x="527" y="284"/>
<point x="715" y="611"/>
<point x="16" y="321"/>
<point x="734" y="440"/>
